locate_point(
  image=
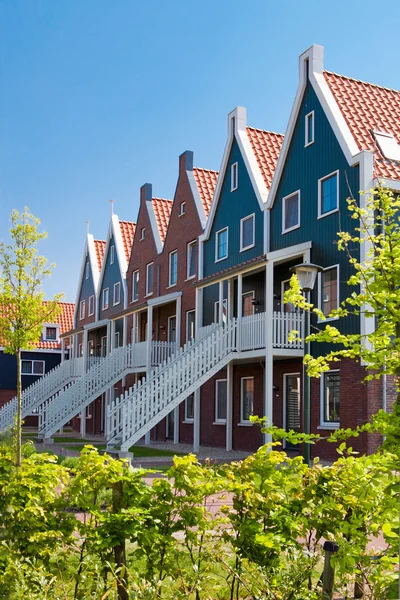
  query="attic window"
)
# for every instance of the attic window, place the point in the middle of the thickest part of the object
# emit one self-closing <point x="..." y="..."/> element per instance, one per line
<point x="142" y="233"/>
<point x="182" y="209"/>
<point x="51" y="333"/>
<point x="87" y="270"/>
<point x="112" y="255"/>
<point x="388" y="145"/>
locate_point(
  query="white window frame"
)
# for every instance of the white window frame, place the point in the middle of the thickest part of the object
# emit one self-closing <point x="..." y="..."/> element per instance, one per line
<point x="87" y="270"/>
<point x="234" y="176"/>
<point x="187" y="418"/>
<point x="308" y="142"/>
<point x="242" y="420"/>
<point x="388" y="145"/>
<point x="286" y="230"/>
<point x="320" y="303"/>
<point x="32" y="373"/>
<point x="112" y="254"/>
<point x="51" y="326"/>
<point x="82" y="310"/>
<point x="133" y="285"/>
<point x="187" y="324"/>
<point x="171" y="254"/>
<point x="182" y="209"/>
<point x="243" y="248"/>
<point x="216" y="244"/>
<point x="188" y="257"/>
<point x="216" y="309"/>
<point x="142" y="233"/>
<point x="326" y="424"/>
<point x="217" y="419"/>
<point x="320" y="181"/>
<point x="91" y="306"/>
<point x="117" y="286"/>
<point x="252" y="292"/>
<point x="103" y="303"/>
<point x="147" y="278"/>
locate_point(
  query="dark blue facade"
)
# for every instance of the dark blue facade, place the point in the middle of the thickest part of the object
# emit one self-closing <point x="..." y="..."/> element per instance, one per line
<point x="112" y="275"/>
<point x="304" y="166"/>
<point x="8" y="367"/>
<point x="86" y="290"/>
<point x="231" y="208"/>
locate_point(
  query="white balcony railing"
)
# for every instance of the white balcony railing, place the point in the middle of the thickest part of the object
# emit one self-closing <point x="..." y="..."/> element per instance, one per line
<point x="283" y="324"/>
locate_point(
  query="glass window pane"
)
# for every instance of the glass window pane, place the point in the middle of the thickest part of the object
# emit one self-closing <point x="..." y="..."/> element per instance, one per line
<point x="331" y="397"/>
<point x="247" y="398"/>
<point x="190" y="407"/>
<point x="51" y="333"/>
<point x="149" y="286"/>
<point x="329" y="291"/>
<point x="248" y="232"/>
<point x="291" y="211"/>
<point x="192" y="259"/>
<point x="38" y="367"/>
<point x="222" y="238"/>
<point x="221" y="388"/>
<point x="329" y="194"/>
<point x="26" y="366"/>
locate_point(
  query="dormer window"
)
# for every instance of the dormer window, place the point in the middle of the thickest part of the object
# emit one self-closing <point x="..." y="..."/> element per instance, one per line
<point x="87" y="270"/>
<point x="388" y="145"/>
<point x="51" y="334"/>
<point x="112" y="254"/>
<point x="143" y="233"/>
<point x="182" y="209"/>
<point x="309" y="129"/>
<point x="234" y="177"/>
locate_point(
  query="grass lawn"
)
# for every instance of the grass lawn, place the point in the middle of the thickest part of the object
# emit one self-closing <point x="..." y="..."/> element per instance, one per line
<point x="139" y="451"/>
<point x="80" y="447"/>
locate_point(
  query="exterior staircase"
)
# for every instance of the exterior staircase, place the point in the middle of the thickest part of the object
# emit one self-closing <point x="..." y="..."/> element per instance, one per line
<point x="133" y="414"/>
<point x="43" y="391"/>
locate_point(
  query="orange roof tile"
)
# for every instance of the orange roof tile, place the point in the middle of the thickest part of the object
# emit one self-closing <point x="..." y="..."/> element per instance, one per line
<point x="127" y="233"/>
<point x="367" y="107"/>
<point x="162" y="210"/>
<point x="266" y="146"/>
<point x="99" y="246"/>
<point x="206" y="181"/>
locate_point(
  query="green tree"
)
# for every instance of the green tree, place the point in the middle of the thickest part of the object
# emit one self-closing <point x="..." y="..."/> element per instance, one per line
<point x="22" y="308"/>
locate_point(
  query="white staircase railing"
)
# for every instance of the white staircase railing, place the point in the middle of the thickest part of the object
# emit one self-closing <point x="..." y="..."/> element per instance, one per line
<point x="42" y="391"/>
<point x="283" y="324"/>
<point x="101" y="377"/>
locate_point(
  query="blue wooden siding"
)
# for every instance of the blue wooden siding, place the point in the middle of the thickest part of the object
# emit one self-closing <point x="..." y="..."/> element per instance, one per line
<point x="8" y="367"/>
<point x="111" y="276"/>
<point x="303" y="168"/>
<point x="232" y="207"/>
<point x="87" y="288"/>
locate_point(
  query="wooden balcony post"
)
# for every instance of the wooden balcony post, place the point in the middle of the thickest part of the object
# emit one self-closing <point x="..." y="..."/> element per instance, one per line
<point x="269" y="358"/>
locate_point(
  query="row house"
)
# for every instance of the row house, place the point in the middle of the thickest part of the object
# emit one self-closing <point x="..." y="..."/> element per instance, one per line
<point x="187" y="332"/>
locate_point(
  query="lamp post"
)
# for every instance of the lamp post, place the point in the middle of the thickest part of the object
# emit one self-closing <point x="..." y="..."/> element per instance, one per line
<point x="306" y="274"/>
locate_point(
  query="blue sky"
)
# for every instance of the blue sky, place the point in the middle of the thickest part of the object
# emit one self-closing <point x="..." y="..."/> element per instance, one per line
<point x="99" y="97"/>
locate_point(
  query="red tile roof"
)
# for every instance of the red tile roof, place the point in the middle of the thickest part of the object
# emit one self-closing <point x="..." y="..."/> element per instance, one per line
<point x="266" y="146"/>
<point x="368" y="107"/>
<point x="127" y="233"/>
<point x="99" y="246"/>
<point x="206" y="181"/>
<point x="162" y="210"/>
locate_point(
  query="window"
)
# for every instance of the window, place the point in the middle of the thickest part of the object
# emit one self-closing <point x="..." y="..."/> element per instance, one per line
<point x="388" y="145"/>
<point x="328" y="194"/>
<point x="309" y="129"/>
<point x="330" y="398"/>
<point x="51" y="333"/>
<point x="291" y="212"/>
<point x="80" y="350"/>
<point x="234" y="177"/>
<point x="82" y="309"/>
<point x="104" y="345"/>
<point x="87" y="270"/>
<point x="247" y="304"/>
<point x="173" y="268"/>
<point x="116" y="339"/>
<point x="329" y="290"/>
<point x="143" y="233"/>
<point x="224" y="311"/>
<point x="117" y="293"/>
<point x="91" y="305"/>
<point x="246" y="399"/>
<point x="190" y="324"/>
<point x="32" y="367"/>
<point x="191" y="259"/>
<point x="221" y="393"/>
<point x="221" y="244"/>
<point x="135" y="286"/>
<point x="182" y="208"/>
<point x="189" y="408"/>
<point x="112" y="253"/>
<point x="247" y="233"/>
<point x="149" y="278"/>
<point x="106" y="293"/>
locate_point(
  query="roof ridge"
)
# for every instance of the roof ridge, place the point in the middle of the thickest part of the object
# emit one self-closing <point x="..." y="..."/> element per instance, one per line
<point x="124" y="221"/>
<point x="376" y="85"/>
<point x="162" y="199"/>
<point x="265" y="131"/>
<point x="207" y="170"/>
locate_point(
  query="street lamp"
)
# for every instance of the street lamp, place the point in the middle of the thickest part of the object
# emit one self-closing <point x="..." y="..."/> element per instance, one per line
<point x="306" y="274"/>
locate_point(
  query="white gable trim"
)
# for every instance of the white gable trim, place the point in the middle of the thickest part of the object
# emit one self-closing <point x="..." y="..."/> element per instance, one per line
<point x="315" y="56"/>
<point x="197" y="200"/>
<point x="154" y="226"/>
<point x="239" y="132"/>
<point x="89" y="250"/>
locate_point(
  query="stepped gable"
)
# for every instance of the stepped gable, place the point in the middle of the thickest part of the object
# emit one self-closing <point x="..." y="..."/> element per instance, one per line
<point x="99" y="246"/>
<point x="162" y="211"/>
<point x="127" y="232"/>
<point x="367" y="107"/>
<point x="206" y="181"/>
<point x="266" y="146"/>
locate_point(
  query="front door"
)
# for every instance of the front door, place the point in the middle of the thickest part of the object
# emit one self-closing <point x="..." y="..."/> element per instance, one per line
<point x="291" y="385"/>
<point x="172" y="329"/>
